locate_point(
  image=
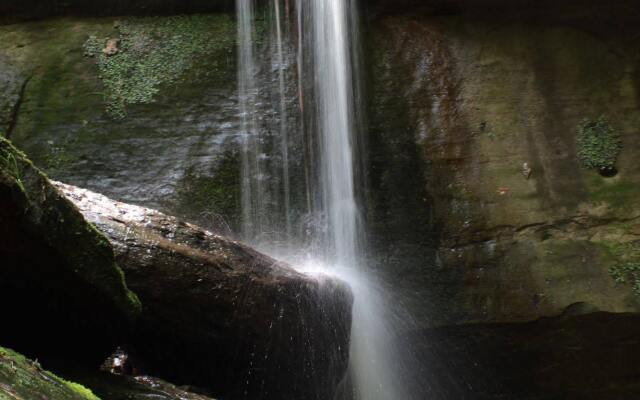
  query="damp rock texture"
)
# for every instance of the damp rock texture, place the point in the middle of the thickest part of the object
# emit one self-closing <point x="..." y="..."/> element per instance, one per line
<point x="482" y="208"/>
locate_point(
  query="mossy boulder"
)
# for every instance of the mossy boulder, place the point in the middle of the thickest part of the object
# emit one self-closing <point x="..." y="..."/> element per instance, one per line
<point x="24" y="379"/>
<point x="58" y="272"/>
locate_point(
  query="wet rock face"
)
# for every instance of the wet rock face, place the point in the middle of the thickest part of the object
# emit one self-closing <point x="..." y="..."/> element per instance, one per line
<point x="478" y="203"/>
<point x="10" y="84"/>
<point x="177" y="153"/>
<point x="464" y="101"/>
<point x="221" y="315"/>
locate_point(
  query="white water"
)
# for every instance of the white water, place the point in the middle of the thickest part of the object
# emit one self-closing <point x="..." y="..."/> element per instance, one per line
<point x="335" y="121"/>
<point x="251" y="154"/>
<point x="284" y="132"/>
<point x="329" y="230"/>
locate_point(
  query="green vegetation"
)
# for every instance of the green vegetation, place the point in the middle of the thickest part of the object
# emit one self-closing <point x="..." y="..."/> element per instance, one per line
<point x="212" y="201"/>
<point x="627" y="273"/>
<point x="621" y="195"/>
<point x="485" y="130"/>
<point x="599" y="144"/>
<point x="58" y="156"/>
<point x="80" y="390"/>
<point x="152" y="52"/>
<point x="626" y="270"/>
<point x="9" y="164"/>
<point x="21" y="378"/>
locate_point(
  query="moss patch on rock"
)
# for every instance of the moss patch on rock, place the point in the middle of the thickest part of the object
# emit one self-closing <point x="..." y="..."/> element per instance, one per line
<point x="21" y="378"/>
<point x="599" y="145"/>
<point x="63" y="125"/>
<point x="212" y="199"/>
<point x="152" y="52"/>
<point x="625" y="268"/>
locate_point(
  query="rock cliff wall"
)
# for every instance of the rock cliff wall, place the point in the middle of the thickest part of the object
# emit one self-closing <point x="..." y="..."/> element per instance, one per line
<point x="480" y="209"/>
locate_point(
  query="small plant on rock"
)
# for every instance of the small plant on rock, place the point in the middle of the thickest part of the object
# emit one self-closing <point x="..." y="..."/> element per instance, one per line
<point x="627" y="273"/>
<point x="599" y="145"/>
<point x="9" y="163"/>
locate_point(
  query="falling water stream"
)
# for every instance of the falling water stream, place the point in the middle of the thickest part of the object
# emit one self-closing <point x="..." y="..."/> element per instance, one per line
<point x="312" y="149"/>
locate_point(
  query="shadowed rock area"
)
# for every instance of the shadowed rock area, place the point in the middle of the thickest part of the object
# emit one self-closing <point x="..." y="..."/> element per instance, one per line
<point x="590" y="357"/>
<point x="30" y="9"/>
<point x="220" y="315"/>
<point x="24" y="379"/>
<point x="58" y="273"/>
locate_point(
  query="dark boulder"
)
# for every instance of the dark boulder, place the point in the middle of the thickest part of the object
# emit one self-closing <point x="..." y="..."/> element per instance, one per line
<point x="221" y="315"/>
<point x="108" y="386"/>
<point x="61" y="292"/>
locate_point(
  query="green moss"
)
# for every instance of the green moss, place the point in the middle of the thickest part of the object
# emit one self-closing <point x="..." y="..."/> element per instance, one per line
<point x="58" y="157"/>
<point x="625" y="268"/>
<point x="9" y="164"/>
<point x="212" y="200"/>
<point x="627" y="273"/>
<point x="622" y="194"/>
<point x="484" y="130"/>
<point x="154" y="52"/>
<point x="81" y="390"/>
<point x="598" y="144"/>
<point x="21" y="378"/>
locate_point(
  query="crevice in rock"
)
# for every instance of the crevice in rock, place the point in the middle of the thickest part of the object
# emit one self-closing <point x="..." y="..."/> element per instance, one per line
<point x="13" y="118"/>
<point x="584" y="222"/>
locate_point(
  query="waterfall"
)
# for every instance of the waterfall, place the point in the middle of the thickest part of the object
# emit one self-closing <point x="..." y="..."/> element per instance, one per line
<point x="251" y="182"/>
<point x="335" y="124"/>
<point x="301" y="163"/>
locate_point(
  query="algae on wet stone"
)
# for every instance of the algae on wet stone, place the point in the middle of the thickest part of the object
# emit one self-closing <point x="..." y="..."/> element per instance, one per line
<point x="21" y="378"/>
<point x="153" y="52"/>
<point x="626" y="270"/>
<point x="212" y="201"/>
<point x="599" y="145"/>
